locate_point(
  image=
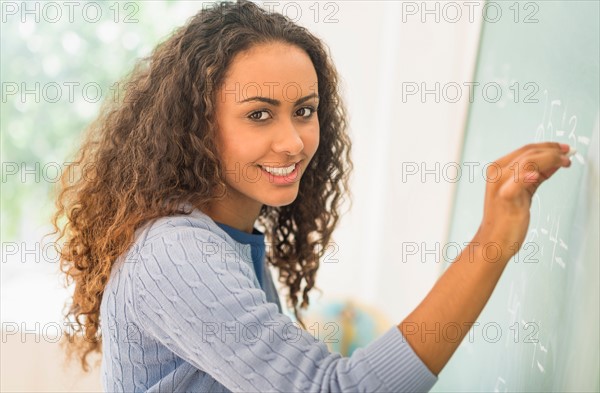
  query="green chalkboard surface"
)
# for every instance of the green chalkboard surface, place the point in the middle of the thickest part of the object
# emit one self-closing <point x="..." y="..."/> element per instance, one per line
<point x="538" y="81"/>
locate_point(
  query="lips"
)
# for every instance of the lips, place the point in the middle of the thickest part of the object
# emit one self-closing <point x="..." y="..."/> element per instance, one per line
<point x="279" y="167"/>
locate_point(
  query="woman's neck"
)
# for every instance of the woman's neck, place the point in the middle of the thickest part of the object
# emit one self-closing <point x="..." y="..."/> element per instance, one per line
<point x="241" y="219"/>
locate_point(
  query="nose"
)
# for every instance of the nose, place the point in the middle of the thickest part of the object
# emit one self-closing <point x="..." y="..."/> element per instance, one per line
<point x="287" y="139"/>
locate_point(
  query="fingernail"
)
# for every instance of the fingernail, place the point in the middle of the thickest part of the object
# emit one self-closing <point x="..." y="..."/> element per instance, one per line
<point x="564" y="147"/>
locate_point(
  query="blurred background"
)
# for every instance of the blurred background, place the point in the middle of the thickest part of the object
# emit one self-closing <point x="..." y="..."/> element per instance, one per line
<point x="60" y="60"/>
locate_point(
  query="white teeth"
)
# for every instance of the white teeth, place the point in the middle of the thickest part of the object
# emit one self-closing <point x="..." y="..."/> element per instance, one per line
<point x="279" y="171"/>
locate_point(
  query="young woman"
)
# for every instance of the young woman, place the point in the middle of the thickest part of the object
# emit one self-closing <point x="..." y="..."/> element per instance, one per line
<point x="231" y="136"/>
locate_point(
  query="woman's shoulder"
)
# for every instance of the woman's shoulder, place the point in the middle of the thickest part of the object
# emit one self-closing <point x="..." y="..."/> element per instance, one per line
<point x="181" y="231"/>
<point x="195" y="223"/>
<point x="167" y="243"/>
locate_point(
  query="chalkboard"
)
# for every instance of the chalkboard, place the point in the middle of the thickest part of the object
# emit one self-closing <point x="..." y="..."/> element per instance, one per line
<point x="539" y="82"/>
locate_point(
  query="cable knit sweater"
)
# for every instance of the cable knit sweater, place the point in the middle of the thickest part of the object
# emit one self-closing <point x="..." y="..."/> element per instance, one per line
<point x="184" y="311"/>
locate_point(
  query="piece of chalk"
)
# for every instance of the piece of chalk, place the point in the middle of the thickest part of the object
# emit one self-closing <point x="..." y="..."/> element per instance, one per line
<point x="571" y="151"/>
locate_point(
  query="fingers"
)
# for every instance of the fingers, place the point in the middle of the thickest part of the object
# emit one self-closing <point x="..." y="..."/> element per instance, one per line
<point x="530" y="166"/>
<point x="543" y="163"/>
<point x="532" y="148"/>
<point x="509" y="191"/>
<point x="540" y="165"/>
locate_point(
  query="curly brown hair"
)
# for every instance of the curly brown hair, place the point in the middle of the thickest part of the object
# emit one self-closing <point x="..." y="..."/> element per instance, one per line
<point x="153" y="150"/>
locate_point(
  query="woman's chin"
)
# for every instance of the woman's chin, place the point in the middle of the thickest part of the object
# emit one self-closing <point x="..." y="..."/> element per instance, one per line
<point x="273" y="201"/>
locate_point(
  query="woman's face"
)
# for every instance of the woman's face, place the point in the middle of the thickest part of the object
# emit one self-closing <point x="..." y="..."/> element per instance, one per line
<point x="267" y="116"/>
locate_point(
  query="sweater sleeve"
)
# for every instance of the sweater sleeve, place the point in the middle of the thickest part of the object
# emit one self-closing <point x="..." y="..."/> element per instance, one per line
<point x="194" y="294"/>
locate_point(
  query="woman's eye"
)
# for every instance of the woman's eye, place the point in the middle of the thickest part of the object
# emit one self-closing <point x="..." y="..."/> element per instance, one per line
<point x="305" y="112"/>
<point x="258" y="115"/>
<point x="262" y="115"/>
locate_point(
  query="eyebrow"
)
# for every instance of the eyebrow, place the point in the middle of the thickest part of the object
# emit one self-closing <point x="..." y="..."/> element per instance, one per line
<point x="277" y="102"/>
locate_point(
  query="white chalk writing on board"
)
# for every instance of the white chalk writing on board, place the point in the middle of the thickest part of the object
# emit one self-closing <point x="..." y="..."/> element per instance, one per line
<point x="556" y="123"/>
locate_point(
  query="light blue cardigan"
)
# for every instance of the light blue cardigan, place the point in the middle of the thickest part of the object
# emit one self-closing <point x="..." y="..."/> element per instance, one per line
<point x="183" y="311"/>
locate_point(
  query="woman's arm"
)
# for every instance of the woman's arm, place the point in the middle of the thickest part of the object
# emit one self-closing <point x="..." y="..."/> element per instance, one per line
<point x="462" y="291"/>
